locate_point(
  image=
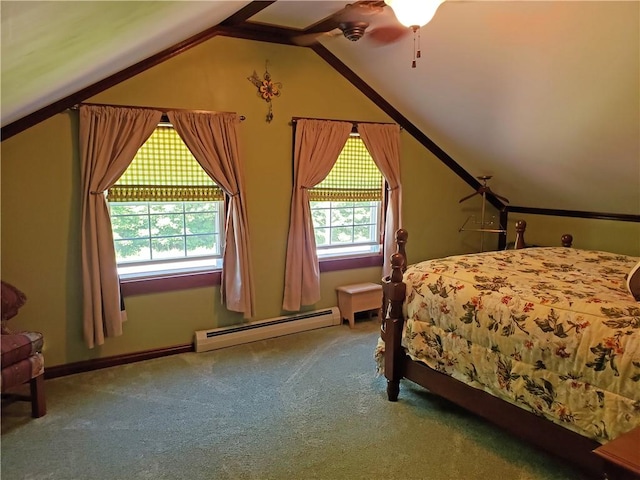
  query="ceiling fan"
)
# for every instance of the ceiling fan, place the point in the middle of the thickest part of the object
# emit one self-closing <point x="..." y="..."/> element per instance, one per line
<point x="353" y="22"/>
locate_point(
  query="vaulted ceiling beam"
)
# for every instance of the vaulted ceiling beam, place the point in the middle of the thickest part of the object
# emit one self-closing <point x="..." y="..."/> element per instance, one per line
<point x="260" y="32"/>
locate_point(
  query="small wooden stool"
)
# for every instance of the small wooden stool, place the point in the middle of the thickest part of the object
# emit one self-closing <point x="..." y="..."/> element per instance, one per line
<point x="360" y="297"/>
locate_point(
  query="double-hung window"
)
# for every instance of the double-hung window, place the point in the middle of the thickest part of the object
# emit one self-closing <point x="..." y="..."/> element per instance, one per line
<point x="346" y="206"/>
<point x="167" y="214"/>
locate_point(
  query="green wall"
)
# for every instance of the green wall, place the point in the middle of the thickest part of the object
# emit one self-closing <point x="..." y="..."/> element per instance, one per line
<point x="588" y="234"/>
<point x="41" y="203"/>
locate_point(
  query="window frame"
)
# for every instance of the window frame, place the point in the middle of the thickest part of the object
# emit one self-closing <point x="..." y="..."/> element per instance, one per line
<point x="377" y="233"/>
<point x="218" y="210"/>
<point x="360" y="259"/>
<point x="180" y="279"/>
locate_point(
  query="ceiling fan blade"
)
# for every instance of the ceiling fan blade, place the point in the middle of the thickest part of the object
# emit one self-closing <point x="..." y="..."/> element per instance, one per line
<point x="358" y="11"/>
<point x="305" y="40"/>
<point x="308" y="39"/>
<point x="385" y="35"/>
<point x="352" y="21"/>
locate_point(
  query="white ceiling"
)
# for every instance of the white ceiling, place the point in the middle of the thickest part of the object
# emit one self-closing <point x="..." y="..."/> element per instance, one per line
<point x="544" y="95"/>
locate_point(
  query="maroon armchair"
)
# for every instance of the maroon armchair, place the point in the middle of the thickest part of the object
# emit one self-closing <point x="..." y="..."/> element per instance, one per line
<point x="22" y="360"/>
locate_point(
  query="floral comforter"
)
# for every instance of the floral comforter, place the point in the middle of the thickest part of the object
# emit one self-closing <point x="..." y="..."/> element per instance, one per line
<point x="552" y="330"/>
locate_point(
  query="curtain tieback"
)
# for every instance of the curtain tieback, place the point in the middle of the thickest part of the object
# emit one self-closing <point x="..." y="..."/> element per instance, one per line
<point x="97" y="193"/>
<point x="389" y="189"/>
<point x="234" y="194"/>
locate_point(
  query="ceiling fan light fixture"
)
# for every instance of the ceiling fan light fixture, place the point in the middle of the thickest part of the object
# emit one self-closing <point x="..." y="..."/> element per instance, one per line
<point x="414" y="13"/>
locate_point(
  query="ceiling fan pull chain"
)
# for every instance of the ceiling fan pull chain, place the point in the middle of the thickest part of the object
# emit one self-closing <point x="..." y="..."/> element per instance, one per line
<point x="413" y="64"/>
<point x="418" y="54"/>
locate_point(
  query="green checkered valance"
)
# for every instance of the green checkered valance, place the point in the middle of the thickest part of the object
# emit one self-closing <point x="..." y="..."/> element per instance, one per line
<point x="354" y="177"/>
<point x="164" y="170"/>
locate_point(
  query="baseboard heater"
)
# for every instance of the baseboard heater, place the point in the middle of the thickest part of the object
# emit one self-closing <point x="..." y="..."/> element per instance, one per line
<point x="216" y="338"/>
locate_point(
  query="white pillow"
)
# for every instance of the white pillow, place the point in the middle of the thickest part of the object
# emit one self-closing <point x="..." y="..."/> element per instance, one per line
<point x="633" y="282"/>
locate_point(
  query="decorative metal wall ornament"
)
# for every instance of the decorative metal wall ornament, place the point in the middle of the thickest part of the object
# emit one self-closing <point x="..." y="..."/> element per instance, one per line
<point x="267" y="89"/>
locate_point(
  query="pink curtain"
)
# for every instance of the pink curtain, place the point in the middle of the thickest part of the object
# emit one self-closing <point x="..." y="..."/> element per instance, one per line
<point x="213" y="140"/>
<point x="109" y="139"/>
<point x="317" y="146"/>
<point x="383" y="143"/>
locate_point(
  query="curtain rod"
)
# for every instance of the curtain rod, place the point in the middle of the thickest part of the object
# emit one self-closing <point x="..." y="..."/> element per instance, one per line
<point x="161" y="109"/>
<point x="353" y="122"/>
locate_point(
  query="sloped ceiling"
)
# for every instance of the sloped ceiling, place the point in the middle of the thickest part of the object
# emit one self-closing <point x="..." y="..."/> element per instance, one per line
<point x="51" y="49"/>
<point x="543" y="95"/>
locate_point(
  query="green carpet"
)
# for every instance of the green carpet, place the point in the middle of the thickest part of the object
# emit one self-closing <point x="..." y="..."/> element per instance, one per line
<point x="303" y="406"/>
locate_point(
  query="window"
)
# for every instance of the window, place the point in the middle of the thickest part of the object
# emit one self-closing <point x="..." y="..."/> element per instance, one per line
<point x="166" y="213"/>
<point x="346" y="206"/>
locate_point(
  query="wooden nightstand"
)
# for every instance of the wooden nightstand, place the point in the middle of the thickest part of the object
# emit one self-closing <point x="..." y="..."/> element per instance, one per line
<point x="622" y="456"/>
<point x="360" y="297"/>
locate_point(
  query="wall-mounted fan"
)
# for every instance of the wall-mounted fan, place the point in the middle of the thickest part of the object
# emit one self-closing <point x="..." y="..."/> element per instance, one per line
<point x="354" y="22"/>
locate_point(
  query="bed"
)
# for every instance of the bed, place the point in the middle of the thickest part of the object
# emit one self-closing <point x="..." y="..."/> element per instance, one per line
<point x="542" y="341"/>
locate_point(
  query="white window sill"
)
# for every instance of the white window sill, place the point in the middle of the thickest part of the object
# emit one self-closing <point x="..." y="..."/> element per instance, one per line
<point x="157" y="270"/>
<point x="348" y="252"/>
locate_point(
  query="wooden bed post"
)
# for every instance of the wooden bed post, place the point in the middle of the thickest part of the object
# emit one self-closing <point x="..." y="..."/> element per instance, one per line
<point x="394" y="291"/>
<point x="401" y="242"/>
<point x="521" y="226"/>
